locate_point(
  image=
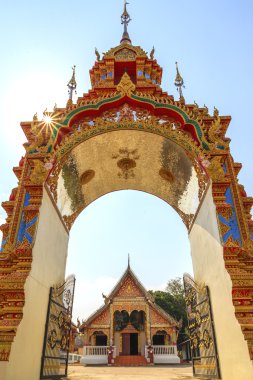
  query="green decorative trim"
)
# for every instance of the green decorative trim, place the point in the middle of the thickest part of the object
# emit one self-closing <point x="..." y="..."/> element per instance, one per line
<point x="88" y="107"/>
<point x="155" y="104"/>
<point x="179" y="111"/>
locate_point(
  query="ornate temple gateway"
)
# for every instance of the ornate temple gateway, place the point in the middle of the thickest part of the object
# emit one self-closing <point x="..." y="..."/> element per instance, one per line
<point x="125" y="133"/>
<point x="129" y="321"/>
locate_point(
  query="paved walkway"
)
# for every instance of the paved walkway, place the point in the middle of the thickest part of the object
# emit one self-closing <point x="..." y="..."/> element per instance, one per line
<point x="179" y="372"/>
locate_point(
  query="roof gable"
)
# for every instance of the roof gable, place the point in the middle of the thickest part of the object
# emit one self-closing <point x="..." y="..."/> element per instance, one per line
<point x="103" y="317"/>
<point x="129" y="288"/>
<point x="159" y="316"/>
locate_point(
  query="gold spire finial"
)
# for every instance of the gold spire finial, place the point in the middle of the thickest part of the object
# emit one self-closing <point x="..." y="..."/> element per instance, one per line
<point x="125" y="13"/>
<point x="128" y="263"/>
<point x="179" y="83"/>
<point x="72" y="83"/>
<point x="125" y="19"/>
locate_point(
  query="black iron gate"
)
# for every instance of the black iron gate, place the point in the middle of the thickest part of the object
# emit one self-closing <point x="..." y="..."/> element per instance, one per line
<point x="205" y="360"/>
<point x="54" y="362"/>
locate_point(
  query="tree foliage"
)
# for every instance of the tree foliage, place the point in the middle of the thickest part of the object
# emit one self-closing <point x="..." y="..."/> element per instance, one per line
<point x="172" y="301"/>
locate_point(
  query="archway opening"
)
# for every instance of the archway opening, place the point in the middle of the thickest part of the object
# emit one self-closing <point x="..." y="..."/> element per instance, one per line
<point x="118" y="224"/>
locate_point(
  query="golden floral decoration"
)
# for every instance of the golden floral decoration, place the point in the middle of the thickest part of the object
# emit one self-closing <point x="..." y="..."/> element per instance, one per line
<point x="126" y="86"/>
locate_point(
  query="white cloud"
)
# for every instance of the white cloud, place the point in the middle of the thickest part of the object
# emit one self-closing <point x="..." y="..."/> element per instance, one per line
<point x="162" y="286"/>
<point x="88" y="296"/>
<point x="159" y="287"/>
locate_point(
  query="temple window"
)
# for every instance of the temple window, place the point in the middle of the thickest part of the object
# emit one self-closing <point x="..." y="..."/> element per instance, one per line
<point x="137" y="320"/>
<point x="161" y="338"/>
<point x="158" y="340"/>
<point x="121" y="320"/>
<point x="100" y="338"/>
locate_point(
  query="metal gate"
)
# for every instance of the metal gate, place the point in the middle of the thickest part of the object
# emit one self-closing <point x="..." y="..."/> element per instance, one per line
<point x="54" y="362"/>
<point x="205" y="360"/>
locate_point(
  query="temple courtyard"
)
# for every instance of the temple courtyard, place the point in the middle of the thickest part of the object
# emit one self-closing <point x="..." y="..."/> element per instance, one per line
<point x="178" y="372"/>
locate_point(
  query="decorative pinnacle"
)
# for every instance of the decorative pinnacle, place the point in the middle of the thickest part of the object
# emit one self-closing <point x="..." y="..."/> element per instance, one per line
<point x="179" y="83"/>
<point x="128" y="263"/>
<point x="72" y="83"/>
<point x="97" y="54"/>
<point x="125" y="19"/>
<point x="152" y="53"/>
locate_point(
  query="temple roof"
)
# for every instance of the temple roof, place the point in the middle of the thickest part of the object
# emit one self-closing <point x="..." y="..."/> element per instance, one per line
<point x="125" y="52"/>
<point x="129" y="272"/>
<point x="146" y="294"/>
<point x="109" y="68"/>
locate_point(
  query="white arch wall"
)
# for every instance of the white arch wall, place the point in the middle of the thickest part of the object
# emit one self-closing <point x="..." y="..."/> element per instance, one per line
<point x="48" y="268"/>
<point x="209" y="268"/>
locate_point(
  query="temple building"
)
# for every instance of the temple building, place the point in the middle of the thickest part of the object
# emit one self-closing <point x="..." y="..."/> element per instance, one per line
<point x="129" y="321"/>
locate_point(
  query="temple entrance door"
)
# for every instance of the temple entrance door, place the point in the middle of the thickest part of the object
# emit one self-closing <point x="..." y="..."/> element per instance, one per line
<point x="133" y="344"/>
<point x="130" y="344"/>
<point x="126" y="344"/>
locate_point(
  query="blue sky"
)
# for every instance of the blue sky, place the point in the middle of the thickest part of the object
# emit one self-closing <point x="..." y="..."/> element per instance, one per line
<point x="40" y="41"/>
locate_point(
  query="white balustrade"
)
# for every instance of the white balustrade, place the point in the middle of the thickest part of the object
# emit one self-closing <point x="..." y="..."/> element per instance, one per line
<point x="165" y="350"/>
<point x="96" y="354"/>
<point x="162" y="350"/>
<point x="97" y="350"/>
<point x="94" y="350"/>
<point x="164" y="354"/>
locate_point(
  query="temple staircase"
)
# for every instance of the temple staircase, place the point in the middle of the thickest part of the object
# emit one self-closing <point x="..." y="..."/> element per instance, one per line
<point x="130" y="360"/>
